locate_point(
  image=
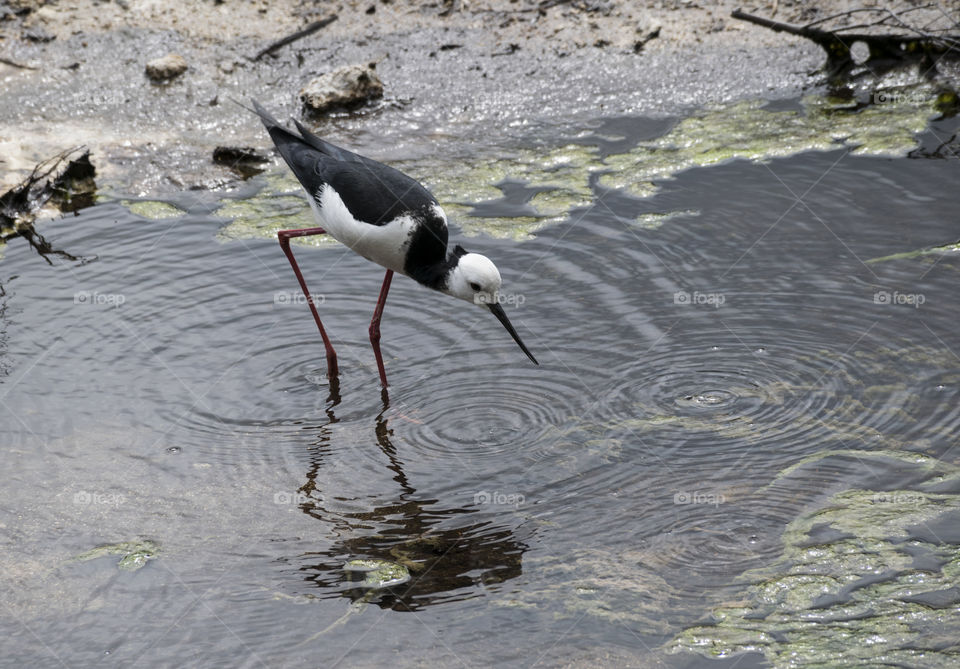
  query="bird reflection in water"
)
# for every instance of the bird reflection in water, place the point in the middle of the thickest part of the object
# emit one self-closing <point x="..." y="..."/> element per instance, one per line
<point x="444" y="563"/>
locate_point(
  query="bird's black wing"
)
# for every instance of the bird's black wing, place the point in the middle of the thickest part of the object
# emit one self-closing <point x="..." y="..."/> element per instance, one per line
<point x="372" y="192"/>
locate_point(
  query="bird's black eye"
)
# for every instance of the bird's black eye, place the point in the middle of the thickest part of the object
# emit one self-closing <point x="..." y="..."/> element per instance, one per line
<point x="475" y="286"/>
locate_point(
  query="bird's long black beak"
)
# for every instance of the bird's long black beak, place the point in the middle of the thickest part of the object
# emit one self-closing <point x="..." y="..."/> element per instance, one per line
<point x="502" y="317"/>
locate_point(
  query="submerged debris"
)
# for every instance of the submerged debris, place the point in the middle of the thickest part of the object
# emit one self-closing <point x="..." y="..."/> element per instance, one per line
<point x="378" y="573"/>
<point x="135" y="554"/>
<point x="346" y="87"/>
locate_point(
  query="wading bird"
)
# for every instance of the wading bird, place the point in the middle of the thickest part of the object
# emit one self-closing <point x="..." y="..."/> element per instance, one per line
<point x="386" y="217"/>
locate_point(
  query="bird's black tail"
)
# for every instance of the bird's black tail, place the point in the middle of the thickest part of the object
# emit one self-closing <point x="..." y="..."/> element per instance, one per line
<point x="282" y="136"/>
<point x="265" y="116"/>
<point x="300" y="152"/>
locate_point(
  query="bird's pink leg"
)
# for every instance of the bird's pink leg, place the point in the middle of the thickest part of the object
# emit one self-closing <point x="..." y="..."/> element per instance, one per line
<point x="285" y="236"/>
<point x="375" y="325"/>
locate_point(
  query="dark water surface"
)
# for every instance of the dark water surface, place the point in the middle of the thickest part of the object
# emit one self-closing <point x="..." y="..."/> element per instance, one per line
<point x="584" y="511"/>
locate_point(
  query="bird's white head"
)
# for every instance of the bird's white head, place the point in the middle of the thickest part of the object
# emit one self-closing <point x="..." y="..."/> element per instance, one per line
<point x="475" y="279"/>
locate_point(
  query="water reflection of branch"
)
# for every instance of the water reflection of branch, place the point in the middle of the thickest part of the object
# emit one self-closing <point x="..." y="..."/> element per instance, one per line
<point x="42" y="246"/>
<point x="941" y="152"/>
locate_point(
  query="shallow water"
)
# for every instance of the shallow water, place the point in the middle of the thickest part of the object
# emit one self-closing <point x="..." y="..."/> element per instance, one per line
<point x="705" y="382"/>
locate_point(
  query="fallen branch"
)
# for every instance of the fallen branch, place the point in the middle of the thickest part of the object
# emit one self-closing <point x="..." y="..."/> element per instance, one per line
<point x="13" y="63"/>
<point x="895" y="48"/>
<point x="70" y="188"/>
<point x="30" y="194"/>
<point x="862" y="10"/>
<point x="300" y="34"/>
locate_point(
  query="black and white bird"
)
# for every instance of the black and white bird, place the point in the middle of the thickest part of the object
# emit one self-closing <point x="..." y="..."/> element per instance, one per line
<point x="386" y="217"/>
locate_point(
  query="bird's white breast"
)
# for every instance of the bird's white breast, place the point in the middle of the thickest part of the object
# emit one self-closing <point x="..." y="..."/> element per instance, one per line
<point x="385" y="244"/>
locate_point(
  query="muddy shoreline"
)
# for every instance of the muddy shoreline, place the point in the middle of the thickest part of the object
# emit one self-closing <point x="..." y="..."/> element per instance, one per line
<point x="484" y="70"/>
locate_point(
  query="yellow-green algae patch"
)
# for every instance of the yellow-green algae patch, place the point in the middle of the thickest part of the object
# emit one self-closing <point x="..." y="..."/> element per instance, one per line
<point x="279" y="205"/>
<point x="946" y="249"/>
<point x="152" y="209"/>
<point x="377" y="574"/>
<point x="564" y="169"/>
<point x="615" y="586"/>
<point x="653" y="221"/>
<point x="516" y="229"/>
<point x="710" y="136"/>
<point x="561" y="175"/>
<point x="134" y="554"/>
<point x="854" y="599"/>
<point x="748" y="131"/>
<point x="906" y="457"/>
